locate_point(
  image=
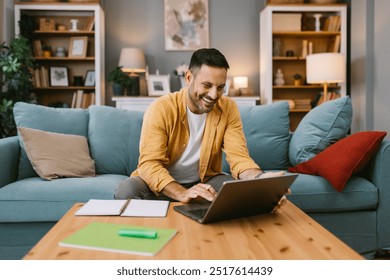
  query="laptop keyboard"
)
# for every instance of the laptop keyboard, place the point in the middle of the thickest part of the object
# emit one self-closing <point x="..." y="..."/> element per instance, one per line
<point x="199" y="212"/>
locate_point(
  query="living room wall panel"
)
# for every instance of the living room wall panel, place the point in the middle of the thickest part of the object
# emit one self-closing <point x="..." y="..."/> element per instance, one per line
<point x="233" y="29"/>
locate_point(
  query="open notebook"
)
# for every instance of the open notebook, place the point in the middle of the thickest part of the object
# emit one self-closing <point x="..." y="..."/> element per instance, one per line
<point x="129" y="208"/>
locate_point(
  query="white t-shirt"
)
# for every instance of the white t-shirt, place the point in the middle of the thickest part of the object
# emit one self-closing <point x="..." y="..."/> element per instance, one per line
<point x="186" y="169"/>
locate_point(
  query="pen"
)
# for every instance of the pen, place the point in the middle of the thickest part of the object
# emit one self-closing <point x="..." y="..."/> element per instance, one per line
<point x="139" y="233"/>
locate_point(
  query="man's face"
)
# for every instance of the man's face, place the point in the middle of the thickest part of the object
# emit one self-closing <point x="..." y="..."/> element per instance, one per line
<point x="206" y="86"/>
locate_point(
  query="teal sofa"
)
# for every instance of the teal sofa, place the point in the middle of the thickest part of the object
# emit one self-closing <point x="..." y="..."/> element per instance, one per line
<point x="30" y="206"/>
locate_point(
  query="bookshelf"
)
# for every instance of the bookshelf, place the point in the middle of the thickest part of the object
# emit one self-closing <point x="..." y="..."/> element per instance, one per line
<point x="287" y="34"/>
<point x="68" y="44"/>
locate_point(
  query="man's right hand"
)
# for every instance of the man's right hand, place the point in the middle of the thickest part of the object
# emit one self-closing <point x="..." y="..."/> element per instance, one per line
<point x="202" y="191"/>
<point x="197" y="192"/>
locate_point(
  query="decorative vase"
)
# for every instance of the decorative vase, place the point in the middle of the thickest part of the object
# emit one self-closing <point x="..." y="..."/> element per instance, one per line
<point x="304" y="48"/>
<point x="133" y="89"/>
<point x="279" y="80"/>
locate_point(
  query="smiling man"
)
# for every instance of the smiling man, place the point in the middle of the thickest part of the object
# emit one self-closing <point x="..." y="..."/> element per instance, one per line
<point x="184" y="134"/>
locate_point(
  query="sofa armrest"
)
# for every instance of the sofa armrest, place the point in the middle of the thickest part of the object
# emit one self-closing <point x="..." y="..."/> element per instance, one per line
<point x="9" y="160"/>
<point x="378" y="172"/>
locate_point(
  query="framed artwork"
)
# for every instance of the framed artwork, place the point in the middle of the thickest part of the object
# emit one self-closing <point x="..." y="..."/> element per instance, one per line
<point x="158" y="85"/>
<point x="186" y="25"/>
<point x="59" y="77"/>
<point x="89" y="80"/>
<point x="78" y="46"/>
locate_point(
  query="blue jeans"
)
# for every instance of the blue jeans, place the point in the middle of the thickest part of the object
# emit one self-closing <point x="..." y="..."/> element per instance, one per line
<point x="135" y="187"/>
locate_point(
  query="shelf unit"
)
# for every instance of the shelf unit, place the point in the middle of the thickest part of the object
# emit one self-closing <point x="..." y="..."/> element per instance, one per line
<point x="292" y="40"/>
<point x="61" y="14"/>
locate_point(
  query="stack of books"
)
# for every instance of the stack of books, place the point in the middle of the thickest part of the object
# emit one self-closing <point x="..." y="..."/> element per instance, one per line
<point x="333" y="23"/>
<point x="83" y="99"/>
<point x="41" y="77"/>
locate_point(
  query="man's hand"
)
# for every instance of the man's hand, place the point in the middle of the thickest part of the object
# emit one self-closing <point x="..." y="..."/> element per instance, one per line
<point x="254" y="173"/>
<point x="272" y="174"/>
<point x="200" y="191"/>
<point x="197" y="192"/>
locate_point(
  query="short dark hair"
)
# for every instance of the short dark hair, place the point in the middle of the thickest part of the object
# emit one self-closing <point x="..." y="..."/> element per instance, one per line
<point x="210" y="57"/>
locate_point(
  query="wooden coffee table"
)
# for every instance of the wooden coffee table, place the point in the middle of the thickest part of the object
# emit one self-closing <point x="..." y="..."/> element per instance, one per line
<point x="288" y="234"/>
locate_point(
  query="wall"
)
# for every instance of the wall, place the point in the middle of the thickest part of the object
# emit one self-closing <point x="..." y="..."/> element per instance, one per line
<point x="234" y="29"/>
<point x="381" y="66"/>
<point x="370" y="65"/>
<point x="6" y="20"/>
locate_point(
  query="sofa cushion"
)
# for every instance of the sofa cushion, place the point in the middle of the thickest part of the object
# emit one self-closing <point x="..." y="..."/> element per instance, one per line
<point x="114" y="139"/>
<point x="60" y="120"/>
<point x="341" y="160"/>
<point x="35" y="200"/>
<point x="266" y="129"/>
<point x="57" y="155"/>
<point x="320" y="128"/>
<point x="314" y="194"/>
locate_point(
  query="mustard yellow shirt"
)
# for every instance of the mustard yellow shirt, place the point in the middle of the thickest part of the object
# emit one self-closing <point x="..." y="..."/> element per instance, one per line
<point x="165" y="135"/>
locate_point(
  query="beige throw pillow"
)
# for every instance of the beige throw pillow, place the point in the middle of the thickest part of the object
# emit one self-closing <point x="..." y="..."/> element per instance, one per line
<point x="55" y="155"/>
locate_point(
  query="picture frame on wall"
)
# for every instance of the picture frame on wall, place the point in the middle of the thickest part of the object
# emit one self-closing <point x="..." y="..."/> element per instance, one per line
<point x="158" y="85"/>
<point x="186" y="25"/>
<point x="59" y="76"/>
<point x="78" y="46"/>
<point x="90" y="79"/>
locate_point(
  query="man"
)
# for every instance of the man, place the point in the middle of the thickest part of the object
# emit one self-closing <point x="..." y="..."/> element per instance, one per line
<point x="183" y="135"/>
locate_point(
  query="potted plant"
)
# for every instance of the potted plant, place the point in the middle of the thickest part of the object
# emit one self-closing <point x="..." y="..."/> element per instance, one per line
<point x="16" y="62"/>
<point x="120" y="80"/>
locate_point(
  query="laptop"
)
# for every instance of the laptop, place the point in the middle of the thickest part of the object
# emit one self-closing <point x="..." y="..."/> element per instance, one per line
<point x="240" y="198"/>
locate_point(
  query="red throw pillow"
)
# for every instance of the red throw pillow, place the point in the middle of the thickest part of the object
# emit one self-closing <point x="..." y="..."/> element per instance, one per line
<point x="340" y="161"/>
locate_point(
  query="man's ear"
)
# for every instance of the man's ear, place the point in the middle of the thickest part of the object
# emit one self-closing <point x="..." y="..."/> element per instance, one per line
<point x="188" y="77"/>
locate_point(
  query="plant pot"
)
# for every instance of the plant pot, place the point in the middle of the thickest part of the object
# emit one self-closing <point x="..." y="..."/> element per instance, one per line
<point x="118" y="89"/>
<point x="297" y="82"/>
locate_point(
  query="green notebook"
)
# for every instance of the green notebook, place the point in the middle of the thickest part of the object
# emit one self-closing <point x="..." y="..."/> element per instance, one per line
<point x="104" y="236"/>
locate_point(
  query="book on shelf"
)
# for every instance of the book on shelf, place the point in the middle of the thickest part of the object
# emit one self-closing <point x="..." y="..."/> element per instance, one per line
<point x="334" y="44"/>
<point x="333" y="23"/>
<point x="89" y="24"/>
<point x="83" y="99"/>
<point x="44" y="74"/>
<point x="36" y="78"/>
<point x="105" y="237"/>
<point x="126" y="208"/>
<point x="319" y="98"/>
<point x="37" y="48"/>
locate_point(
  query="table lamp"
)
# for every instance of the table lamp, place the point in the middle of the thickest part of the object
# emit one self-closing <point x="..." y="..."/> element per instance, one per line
<point x="240" y="83"/>
<point x="325" y="68"/>
<point x="132" y="61"/>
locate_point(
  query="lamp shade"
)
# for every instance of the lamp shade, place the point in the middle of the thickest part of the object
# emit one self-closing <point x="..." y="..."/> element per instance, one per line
<point x="240" y="82"/>
<point x="132" y="60"/>
<point x="325" y="68"/>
